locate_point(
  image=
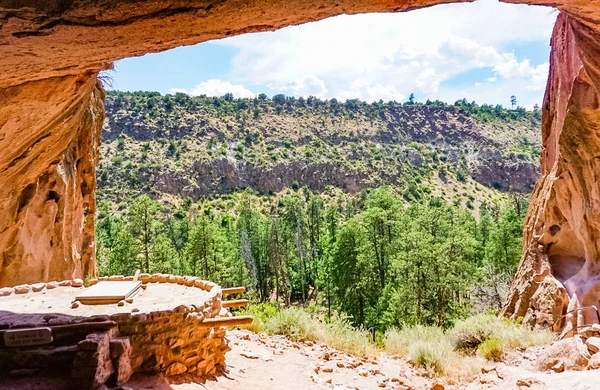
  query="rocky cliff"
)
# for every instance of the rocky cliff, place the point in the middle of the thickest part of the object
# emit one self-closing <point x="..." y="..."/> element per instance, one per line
<point x="195" y="146"/>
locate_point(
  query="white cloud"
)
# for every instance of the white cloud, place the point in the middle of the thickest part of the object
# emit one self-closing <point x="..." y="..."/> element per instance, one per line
<point x="388" y="56"/>
<point x="305" y="86"/>
<point x="214" y="87"/>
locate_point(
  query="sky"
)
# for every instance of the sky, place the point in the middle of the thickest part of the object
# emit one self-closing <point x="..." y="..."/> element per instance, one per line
<point x="484" y="51"/>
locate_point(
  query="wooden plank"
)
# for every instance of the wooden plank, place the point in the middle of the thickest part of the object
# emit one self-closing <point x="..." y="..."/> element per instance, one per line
<point x="107" y="292"/>
<point x="233" y="290"/>
<point x="226" y="321"/>
<point x="235" y="303"/>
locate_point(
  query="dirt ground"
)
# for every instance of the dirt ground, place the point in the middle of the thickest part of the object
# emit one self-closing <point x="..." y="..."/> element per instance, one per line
<point x="259" y="362"/>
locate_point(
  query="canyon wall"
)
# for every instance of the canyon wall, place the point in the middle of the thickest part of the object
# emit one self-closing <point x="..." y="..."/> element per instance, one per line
<point x="51" y="113"/>
<point x="560" y="268"/>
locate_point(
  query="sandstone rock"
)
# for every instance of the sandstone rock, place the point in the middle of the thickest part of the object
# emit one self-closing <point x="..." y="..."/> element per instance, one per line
<point x="51" y="285"/>
<point x="64" y="283"/>
<point x="92" y="365"/>
<point x="163" y="278"/>
<point x="560" y="227"/>
<point x="327" y="369"/>
<point x="249" y="355"/>
<point x="364" y="373"/>
<point x="129" y="300"/>
<point x="594" y="362"/>
<point x="437" y="386"/>
<point x="558" y="367"/>
<point x="593" y="344"/>
<point x="592" y="330"/>
<point x="5" y="291"/>
<point x="528" y="382"/>
<point x="22" y="289"/>
<point x="144" y="278"/>
<point x="571" y="352"/>
<point x="120" y="352"/>
<point x="37" y="287"/>
<point x="121" y="303"/>
<point x="486" y="369"/>
<point x="75" y="305"/>
<point x="76" y="283"/>
<point x="116" y="278"/>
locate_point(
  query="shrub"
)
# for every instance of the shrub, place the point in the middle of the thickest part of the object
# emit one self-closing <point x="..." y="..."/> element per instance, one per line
<point x="432" y="355"/>
<point x="469" y="333"/>
<point x="491" y="349"/>
<point x="399" y="341"/>
<point x="297" y="324"/>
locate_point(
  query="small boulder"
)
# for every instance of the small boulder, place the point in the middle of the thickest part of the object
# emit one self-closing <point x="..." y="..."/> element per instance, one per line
<point x="51" y="285"/>
<point x="75" y="305"/>
<point x="249" y="355"/>
<point x="364" y="373"/>
<point x="593" y="344"/>
<point x="22" y="289"/>
<point x="5" y="291"/>
<point x="38" y="287"/>
<point x="528" y="382"/>
<point x="76" y="283"/>
<point x="594" y="362"/>
<point x="121" y="303"/>
<point x="437" y="386"/>
<point x="572" y="352"/>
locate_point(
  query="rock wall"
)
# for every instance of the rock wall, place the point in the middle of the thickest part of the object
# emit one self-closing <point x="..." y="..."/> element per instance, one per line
<point x="560" y="268"/>
<point x="49" y="136"/>
<point x="109" y="348"/>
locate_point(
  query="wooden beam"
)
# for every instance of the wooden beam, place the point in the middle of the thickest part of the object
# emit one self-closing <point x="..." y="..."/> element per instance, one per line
<point x="226" y="321"/>
<point x="235" y="303"/>
<point x="233" y="290"/>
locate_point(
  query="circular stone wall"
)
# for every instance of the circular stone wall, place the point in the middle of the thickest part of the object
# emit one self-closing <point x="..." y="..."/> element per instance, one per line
<point x="159" y="329"/>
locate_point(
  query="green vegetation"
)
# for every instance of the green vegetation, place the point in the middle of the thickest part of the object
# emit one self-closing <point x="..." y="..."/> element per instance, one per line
<point x="272" y="143"/>
<point x="377" y="259"/>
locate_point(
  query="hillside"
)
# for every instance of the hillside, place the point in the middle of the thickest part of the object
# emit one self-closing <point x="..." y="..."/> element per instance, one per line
<point x="174" y="147"/>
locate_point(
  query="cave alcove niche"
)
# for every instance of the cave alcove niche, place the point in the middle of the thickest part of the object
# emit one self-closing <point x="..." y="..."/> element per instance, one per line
<point x="51" y="114"/>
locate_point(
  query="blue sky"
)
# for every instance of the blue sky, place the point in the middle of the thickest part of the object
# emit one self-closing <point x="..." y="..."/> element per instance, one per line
<point x="484" y="51"/>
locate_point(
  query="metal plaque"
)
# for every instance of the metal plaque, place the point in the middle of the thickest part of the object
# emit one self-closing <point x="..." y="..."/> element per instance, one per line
<point x="27" y="337"/>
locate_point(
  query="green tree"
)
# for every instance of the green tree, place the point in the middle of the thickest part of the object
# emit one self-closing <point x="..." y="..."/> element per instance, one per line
<point x="145" y="227"/>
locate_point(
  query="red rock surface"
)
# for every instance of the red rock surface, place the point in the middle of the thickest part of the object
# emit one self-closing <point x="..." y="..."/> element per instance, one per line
<point x="51" y="112"/>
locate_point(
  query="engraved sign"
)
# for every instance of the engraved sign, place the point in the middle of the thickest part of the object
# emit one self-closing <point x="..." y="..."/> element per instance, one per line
<point x="27" y="337"/>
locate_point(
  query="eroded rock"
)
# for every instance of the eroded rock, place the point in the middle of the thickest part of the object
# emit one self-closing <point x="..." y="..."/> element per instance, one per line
<point x="566" y="354"/>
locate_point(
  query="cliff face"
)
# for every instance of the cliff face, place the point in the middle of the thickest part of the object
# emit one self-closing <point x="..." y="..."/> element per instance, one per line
<point x="195" y="146"/>
<point x="560" y="264"/>
<point x="49" y="130"/>
<point x="49" y="143"/>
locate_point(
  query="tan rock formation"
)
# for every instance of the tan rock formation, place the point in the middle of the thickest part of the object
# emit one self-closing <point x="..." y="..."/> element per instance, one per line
<point x="49" y="134"/>
<point x="49" y="131"/>
<point x="562" y="225"/>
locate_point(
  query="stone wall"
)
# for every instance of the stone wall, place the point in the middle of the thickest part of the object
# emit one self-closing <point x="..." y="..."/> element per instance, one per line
<point x="109" y="348"/>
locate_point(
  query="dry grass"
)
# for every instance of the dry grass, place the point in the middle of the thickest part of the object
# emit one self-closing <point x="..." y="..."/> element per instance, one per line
<point x="510" y="334"/>
<point x="454" y="353"/>
<point x="458" y="353"/>
<point x="338" y="333"/>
